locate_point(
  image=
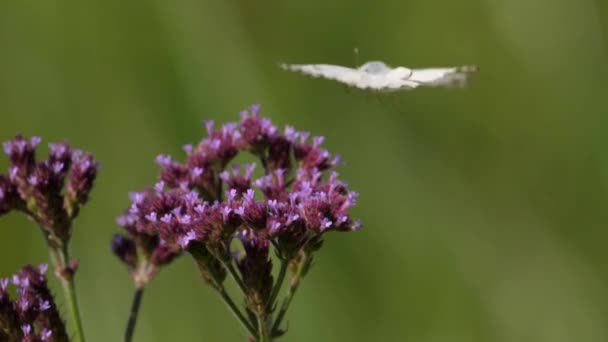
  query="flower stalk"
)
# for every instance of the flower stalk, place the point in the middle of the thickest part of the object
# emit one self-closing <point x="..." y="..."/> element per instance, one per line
<point x="135" y="305"/>
<point x="236" y="312"/>
<point x="65" y="273"/>
<point x="293" y="287"/>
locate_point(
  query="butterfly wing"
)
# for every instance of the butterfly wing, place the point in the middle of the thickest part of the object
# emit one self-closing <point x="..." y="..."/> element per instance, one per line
<point x="399" y="78"/>
<point x="456" y="76"/>
<point x="396" y="79"/>
<point x="338" y="73"/>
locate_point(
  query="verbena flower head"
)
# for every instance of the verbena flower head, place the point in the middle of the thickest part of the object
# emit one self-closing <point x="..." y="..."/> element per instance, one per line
<point x="33" y="315"/>
<point x="204" y="202"/>
<point x="141" y="248"/>
<point x="50" y="191"/>
<point x="287" y="201"/>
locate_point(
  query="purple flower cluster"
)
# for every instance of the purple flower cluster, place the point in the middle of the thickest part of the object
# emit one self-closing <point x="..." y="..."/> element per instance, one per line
<point x="33" y="316"/>
<point x="52" y="191"/>
<point x="293" y="203"/>
<point x="141" y="249"/>
<point x="201" y="205"/>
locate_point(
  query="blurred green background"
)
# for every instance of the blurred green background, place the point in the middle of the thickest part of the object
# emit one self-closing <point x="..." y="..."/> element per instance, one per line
<point x="485" y="209"/>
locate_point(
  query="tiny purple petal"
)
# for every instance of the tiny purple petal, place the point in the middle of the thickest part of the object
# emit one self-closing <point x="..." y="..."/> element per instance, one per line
<point x="304" y="136"/>
<point x="163" y="160"/>
<point x="23" y="303"/>
<point x="166" y="218"/>
<point x="249" y="168"/>
<point x="242" y="234"/>
<point x="325" y="223"/>
<point x="292" y="218"/>
<point x="200" y="208"/>
<point x="196" y="172"/>
<point x="4" y="284"/>
<point x="32" y="180"/>
<point x="177" y="211"/>
<point x="57" y="167"/>
<point x="231" y="194"/>
<point x="76" y="154"/>
<point x="188" y="148"/>
<point x="236" y="136"/>
<point x="259" y="182"/>
<point x="44" y="305"/>
<point x="186" y="219"/>
<point x="43" y="268"/>
<point x="336" y="161"/>
<point x="225" y="212"/>
<point x="209" y="126"/>
<point x="20" y="145"/>
<point x="267" y="126"/>
<point x="8" y="147"/>
<point x="255" y="109"/>
<point x="184" y="240"/>
<point x="151" y="216"/>
<point x="35" y="141"/>
<point x="317" y="141"/>
<point x="249" y="196"/>
<point x="225" y="176"/>
<point x="229" y="127"/>
<point x="46" y="334"/>
<point x="215" y="144"/>
<point x="191" y="197"/>
<point x="273" y="204"/>
<point x="280" y="173"/>
<point x="26" y="328"/>
<point x="125" y="220"/>
<point x="274" y="227"/>
<point x="137" y="197"/>
<point x="290" y="133"/>
<point x="159" y="187"/>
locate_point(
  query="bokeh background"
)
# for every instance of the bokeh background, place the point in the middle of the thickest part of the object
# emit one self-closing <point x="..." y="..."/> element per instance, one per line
<point x="485" y="209"/>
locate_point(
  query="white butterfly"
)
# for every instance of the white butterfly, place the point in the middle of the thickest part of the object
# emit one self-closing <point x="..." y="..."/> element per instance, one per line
<point x="380" y="77"/>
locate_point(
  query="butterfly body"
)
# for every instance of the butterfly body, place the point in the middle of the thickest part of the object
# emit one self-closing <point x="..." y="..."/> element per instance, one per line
<point x="378" y="76"/>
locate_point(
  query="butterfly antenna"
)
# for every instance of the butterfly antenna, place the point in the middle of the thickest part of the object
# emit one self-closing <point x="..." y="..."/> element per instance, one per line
<point x="356" y="56"/>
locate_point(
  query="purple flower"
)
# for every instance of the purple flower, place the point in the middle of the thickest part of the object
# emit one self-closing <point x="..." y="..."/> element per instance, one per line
<point x="237" y="181"/>
<point x="148" y="210"/>
<point x="50" y="191"/>
<point x="27" y="329"/>
<point x="124" y="248"/>
<point x="46" y="334"/>
<point x="298" y="203"/>
<point x="34" y="305"/>
<point x="203" y="203"/>
<point x="184" y="240"/>
<point x="255" y="131"/>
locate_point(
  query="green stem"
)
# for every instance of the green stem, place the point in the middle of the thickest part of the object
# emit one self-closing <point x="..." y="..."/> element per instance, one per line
<point x="235" y="311"/>
<point x="60" y="258"/>
<point x="137" y="297"/>
<point x="230" y="303"/>
<point x="263" y="330"/>
<point x="278" y="284"/>
<point x="235" y="276"/>
<point x="293" y="287"/>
